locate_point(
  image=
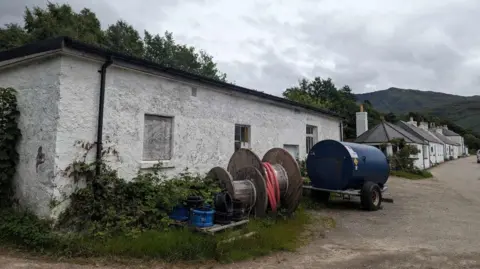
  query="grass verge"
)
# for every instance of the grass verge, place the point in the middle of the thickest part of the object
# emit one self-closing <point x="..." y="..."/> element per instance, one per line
<point x="423" y="174"/>
<point x="26" y="232"/>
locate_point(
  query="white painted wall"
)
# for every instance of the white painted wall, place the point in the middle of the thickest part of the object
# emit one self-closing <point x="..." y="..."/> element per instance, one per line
<point x="37" y="85"/>
<point x="203" y="131"/>
<point x="418" y="157"/>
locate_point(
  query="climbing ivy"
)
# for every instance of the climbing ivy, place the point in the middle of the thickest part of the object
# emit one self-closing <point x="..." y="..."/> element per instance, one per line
<point x="127" y="207"/>
<point x="9" y="136"/>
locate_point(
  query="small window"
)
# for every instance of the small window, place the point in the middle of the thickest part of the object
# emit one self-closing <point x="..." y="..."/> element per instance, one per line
<point x="242" y="136"/>
<point x="311" y="137"/>
<point x="157" y="138"/>
<point x="431" y="149"/>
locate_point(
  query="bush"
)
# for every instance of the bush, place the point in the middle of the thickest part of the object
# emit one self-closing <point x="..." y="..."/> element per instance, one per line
<point x="9" y="136"/>
<point x="417" y="174"/>
<point x="109" y="205"/>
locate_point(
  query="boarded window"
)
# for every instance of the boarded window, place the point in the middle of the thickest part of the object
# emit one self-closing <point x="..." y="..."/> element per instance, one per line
<point x="157" y="138"/>
<point x="242" y="135"/>
<point x="311" y="139"/>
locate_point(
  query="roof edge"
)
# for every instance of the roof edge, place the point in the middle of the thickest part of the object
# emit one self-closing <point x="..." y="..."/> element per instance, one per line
<point x="65" y="41"/>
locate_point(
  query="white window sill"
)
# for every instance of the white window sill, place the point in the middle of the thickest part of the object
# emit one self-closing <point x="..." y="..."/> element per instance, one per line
<point x="151" y="164"/>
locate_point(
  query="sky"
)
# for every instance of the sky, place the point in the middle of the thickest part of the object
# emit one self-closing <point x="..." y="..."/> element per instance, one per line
<point x="269" y="45"/>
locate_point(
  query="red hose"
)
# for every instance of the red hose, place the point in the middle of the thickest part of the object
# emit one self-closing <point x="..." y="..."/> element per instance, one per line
<point x="273" y="188"/>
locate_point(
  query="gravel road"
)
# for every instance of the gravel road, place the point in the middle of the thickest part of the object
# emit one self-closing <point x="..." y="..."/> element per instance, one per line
<point x="433" y="223"/>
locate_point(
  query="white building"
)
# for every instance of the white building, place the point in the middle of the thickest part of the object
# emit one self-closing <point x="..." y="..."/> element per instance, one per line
<point x="455" y="138"/>
<point x="381" y="135"/>
<point x="450" y="150"/>
<point x="434" y="149"/>
<point x="151" y="114"/>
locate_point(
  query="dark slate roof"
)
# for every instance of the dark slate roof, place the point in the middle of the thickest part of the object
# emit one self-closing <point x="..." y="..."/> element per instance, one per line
<point x="444" y="138"/>
<point x="447" y="132"/>
<point x="59" y="43"/>
<point x="385" y="132"/>
<point x="419" y="132"/>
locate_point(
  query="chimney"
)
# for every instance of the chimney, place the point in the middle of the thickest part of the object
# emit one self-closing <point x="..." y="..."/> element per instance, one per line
<point x="423" y="125"/>
<point x="361" y="121"/>
<point x="412" y="122"/>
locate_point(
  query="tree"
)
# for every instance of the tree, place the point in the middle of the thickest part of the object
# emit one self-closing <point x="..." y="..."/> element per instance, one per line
<point x="164" y="50"/>
<point x="13" y="35"/>
<point x="122" y="37"/>
<point x="323" y="93"/>
<point x="61" y="20"/>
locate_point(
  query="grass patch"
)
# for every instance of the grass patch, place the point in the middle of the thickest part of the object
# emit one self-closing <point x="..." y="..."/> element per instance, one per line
<point x="422" y="174"/>
<point x="24" y="231"/>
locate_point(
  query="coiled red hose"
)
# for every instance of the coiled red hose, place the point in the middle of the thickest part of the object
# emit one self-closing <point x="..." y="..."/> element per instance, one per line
<point x="273" y="188"/>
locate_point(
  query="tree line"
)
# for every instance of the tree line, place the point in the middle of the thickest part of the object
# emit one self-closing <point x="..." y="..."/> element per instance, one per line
<point x="61" y="20"/>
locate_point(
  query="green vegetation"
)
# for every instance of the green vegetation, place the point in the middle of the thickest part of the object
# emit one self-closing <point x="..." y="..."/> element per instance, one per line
<point x="9" y="136"/>
<point x="462" y="115"/>
<point x="61" y="20"/>
<point x="25" y="231"/>
<point x="323" y="93"/>
<point x="421" y="174"/>
<point x="401" y="163"/>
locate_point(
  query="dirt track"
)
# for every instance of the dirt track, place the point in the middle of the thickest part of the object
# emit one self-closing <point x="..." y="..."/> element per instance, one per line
<point x="432" y="224"/>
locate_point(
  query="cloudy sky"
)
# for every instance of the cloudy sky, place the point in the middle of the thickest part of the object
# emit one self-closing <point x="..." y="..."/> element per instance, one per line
<point x="269" y="44"/>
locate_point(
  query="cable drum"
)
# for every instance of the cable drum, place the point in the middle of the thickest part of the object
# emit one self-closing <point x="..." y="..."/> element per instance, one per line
<point x="258" y="184"/>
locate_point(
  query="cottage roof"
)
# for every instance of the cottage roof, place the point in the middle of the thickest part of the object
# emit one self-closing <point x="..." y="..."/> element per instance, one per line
<point x="447" y="132"/>
<point x="444" y="138"/>
<point x="385" y="132"/>
<point x="59" y="43"/>
<point x="419" y="132"/>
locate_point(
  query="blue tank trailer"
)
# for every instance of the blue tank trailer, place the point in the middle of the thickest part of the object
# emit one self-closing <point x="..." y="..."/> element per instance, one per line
<point x="348" y="169"/>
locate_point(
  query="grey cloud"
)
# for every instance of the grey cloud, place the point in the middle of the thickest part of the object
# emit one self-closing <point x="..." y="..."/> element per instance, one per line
<point x="404" y="59"/>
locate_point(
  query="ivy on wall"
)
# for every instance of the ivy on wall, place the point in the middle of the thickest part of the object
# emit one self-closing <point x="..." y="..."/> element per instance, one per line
<point x="9" y="136"/>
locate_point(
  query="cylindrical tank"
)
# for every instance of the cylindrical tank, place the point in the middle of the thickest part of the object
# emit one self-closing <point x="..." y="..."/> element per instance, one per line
<point x="335" y="165"/>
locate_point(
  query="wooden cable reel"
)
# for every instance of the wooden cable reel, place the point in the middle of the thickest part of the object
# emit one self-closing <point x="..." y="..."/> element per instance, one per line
<point x="249" y="184"/>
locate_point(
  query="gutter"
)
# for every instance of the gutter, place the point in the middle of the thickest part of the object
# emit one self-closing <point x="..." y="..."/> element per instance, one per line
<point x="101" y="105"/>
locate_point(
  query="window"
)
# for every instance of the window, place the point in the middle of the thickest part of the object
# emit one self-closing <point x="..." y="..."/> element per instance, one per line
<point x="242" y="136"/>
<point x="157" y="138"/>
<point x="431" y="149"/>
<point x="311" y="132"/>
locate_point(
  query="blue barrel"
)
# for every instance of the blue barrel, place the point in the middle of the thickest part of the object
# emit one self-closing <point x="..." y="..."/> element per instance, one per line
<point x="179" y="213"/>
<point x="335" y="165"/>
<point x="202" y="217"/>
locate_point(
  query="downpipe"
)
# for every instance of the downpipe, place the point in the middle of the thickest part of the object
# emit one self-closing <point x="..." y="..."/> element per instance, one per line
<point x="101" y="105"/>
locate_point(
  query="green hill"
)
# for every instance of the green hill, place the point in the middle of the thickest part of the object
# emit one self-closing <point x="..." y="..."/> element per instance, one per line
<point x="462" y="110"/>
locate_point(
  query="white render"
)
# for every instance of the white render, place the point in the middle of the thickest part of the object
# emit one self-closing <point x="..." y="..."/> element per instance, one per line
<point x="58" y="100"/>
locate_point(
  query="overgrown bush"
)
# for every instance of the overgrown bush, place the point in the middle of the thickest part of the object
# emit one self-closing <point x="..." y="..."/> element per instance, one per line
<point x="110" y="205"/>
<point x="401" y="159"/>
<point x="9" y="136"/>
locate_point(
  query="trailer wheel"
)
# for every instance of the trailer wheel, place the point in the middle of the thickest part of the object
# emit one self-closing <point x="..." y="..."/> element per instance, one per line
<point x="371" y="196"/>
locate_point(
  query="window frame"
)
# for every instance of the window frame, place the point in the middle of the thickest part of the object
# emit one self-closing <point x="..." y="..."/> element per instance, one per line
<point x="171" y="120"/>
<point x="247" y="131"/>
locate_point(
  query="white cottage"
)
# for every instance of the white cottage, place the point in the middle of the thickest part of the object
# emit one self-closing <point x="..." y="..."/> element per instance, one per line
<point x="450" y="150"/>
<point x="69" y="91"/>
<point x="458" y="139"/>
<point x="381" y="135"/>
<point x="433" y="150"/>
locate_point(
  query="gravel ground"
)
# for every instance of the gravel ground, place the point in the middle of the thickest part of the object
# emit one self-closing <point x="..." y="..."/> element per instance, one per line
<point x="433" y="223"/>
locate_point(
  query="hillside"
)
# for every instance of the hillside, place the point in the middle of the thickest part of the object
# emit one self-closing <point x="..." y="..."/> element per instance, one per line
<point x="464" y="111"/>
